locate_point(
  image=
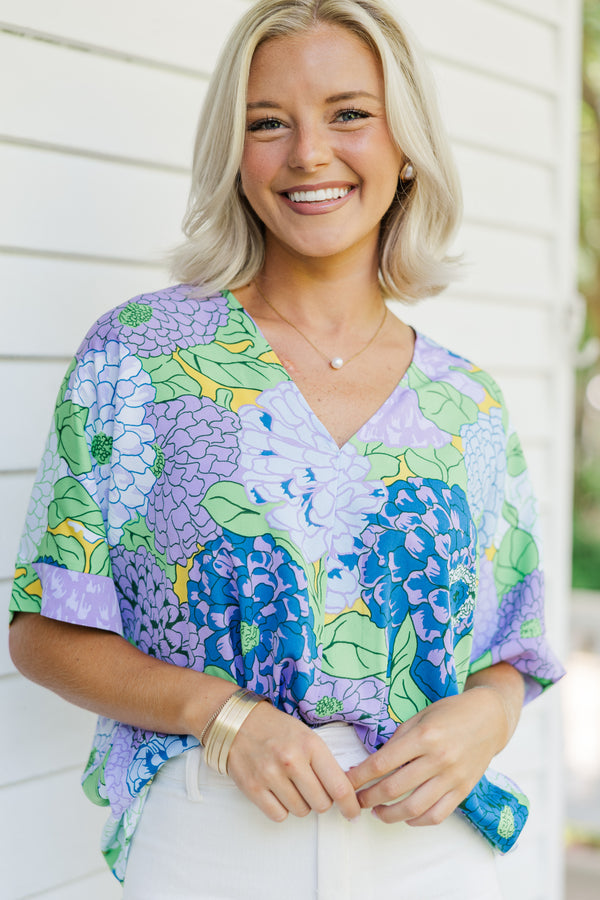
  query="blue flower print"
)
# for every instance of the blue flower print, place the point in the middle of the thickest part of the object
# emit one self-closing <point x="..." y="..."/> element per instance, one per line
<point x="52" y="468"/>
<point x="250" y="603"/>
<point x="485" y="458"/>
<point x="420" y="558"/>
<point x="114" y="387"/>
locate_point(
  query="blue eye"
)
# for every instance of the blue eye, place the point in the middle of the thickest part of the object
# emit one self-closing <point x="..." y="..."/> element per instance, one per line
<point x="265" y="125"/>
<point x="352" y="115"/>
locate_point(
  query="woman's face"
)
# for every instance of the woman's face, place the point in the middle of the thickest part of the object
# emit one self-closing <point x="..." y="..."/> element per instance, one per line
<point x="319" y="168"/>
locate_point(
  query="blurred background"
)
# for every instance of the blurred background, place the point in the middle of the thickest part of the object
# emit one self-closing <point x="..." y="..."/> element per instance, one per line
<point x="582" y="688"/>
<point x="100" y="101"/>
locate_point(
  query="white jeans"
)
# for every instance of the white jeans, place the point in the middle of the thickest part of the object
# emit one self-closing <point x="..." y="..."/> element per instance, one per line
<point x="200" y="837"/>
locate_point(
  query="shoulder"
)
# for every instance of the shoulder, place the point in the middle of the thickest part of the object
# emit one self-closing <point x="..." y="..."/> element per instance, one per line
<point x="158" y="322"/>
<point x="438" y="364"/>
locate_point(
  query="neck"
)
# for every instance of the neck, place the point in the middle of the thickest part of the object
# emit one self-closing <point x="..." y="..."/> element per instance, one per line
<point x="326" y="295"/>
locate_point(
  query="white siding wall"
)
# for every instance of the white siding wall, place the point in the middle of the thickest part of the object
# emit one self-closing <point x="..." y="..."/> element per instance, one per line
<point x="100" y="110"/>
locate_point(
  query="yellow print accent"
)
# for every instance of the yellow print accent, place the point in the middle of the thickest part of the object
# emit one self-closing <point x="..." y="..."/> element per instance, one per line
<point x="488" y="403"/>
<point x="181" y="581"/>
<point x="317" y="571"/>
<point x="490" y="553"/>
<point x="457" y="442"/>
<point x="34" y="589"/>
<point x="241" y="396"/>
<point x="358" y="606"/>
<point x="269" y="356"/>
<point x="240" y="347"/>
<point x="87" y="540"/>
<point x="403" y="473"/>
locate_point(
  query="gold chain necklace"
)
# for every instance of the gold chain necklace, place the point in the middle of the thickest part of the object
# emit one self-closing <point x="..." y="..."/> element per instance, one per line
<point x="337" y="362"/>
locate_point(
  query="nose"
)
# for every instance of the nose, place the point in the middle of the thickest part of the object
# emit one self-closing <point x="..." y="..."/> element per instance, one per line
<point x="310" y="148"/>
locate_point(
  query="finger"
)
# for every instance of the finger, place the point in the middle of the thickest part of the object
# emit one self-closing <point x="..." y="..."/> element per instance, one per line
<point x="268" y="803"/>
<point x="397" y="784"/>
<point x="430" y="804"/>
<point x="293" y="799"/>
<point x="399" y="750"/>
<point x="335" y="782"/>
<point x="438" y="812"/>
<point x="312" y="791"/>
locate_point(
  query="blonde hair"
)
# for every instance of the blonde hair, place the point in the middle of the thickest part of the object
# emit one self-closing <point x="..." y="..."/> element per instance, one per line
<point x="225" y="245"/>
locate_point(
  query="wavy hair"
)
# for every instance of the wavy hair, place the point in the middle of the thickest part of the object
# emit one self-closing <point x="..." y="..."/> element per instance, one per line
<point x="225" y="245"/>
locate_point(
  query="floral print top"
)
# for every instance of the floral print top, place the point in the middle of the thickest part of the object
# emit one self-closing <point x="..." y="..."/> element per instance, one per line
<point x="190" y="500"/>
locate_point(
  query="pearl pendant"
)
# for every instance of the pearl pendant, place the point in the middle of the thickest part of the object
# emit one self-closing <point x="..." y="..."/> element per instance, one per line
<point x="337" y="363"/>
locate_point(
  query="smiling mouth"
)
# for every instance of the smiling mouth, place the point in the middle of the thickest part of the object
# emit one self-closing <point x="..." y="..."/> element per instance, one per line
<point x="319" y="196"/>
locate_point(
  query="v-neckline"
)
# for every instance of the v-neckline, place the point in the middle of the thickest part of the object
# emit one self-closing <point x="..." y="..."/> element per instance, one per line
<point x="400" y="384"/>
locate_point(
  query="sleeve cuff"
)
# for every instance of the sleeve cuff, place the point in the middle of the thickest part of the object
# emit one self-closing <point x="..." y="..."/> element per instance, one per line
<point x="79" y="598"/>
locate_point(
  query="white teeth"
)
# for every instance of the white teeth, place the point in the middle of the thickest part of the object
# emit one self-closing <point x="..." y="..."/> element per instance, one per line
<point x="318" y="196"/>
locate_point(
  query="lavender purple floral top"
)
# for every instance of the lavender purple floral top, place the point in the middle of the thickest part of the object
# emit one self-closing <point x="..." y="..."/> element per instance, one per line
<point x="190" y="500"/>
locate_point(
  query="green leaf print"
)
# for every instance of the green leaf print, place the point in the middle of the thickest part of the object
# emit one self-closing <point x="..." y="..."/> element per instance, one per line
<point x="445" y="463"/>
<point x="169" y="380"/>
<point x="442" y="403"/>
<point x="384" y="463"/>
<point x="136" y="534"/>
<point x="514" y="457"/>
<point x="220" y="673"/>
<point x="462" y="659"/>
<point x="22" y="599"/>
<point x="72" y="501"/>
<point x="406" y="699"/>
<point x="71" y="420"/>
<point x="517" y="557"/>
<point x="64" y="550"/>
<point x="344" y="653"/>
<point x="483" y="662"/>
<point x="242" y="373"/>
<point x="99" y="561"/>
<point x="510" y="513"/>
<point x="228" y="504"/>
<point x="486" y="381"/>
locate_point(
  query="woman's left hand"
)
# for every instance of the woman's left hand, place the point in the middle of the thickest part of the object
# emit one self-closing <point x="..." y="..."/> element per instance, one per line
<point x="435" y="758"/>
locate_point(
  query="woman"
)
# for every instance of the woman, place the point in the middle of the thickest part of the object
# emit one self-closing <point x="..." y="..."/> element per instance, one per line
<point x="286" y="491"/>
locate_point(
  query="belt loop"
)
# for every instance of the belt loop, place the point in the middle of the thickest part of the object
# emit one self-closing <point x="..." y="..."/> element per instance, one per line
<point x="193" y="763"/>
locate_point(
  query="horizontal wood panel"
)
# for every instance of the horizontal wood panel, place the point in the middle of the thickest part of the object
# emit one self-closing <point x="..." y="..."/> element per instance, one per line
<point x="501" y="261"/>
<point x="478" y="33"/>
<point x="98" y="104"/>
<point x="491" y="334"/>
<point x="50" y="832"/>
<point x="512" y="192"/>
<point x="28" y="393"/>
<point x="486" y="111"/>
<point x="103" y="886"/>
<point x="545" y="9"/>
<point x="187" y="33"/>
<point x="50" y="303"/>
<point x="33" y="711"/>
<point x="6" y="665"/>
<point x="14" y="499"/>
<point x="55" y="202"/>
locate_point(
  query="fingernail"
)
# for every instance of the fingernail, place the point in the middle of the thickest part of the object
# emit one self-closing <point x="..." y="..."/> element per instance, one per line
<point x="354" y="821"/>
<point x="374" y="813"/>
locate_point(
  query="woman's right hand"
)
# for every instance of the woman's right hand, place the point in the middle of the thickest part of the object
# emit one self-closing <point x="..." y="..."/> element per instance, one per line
<point x="282" y="767"/>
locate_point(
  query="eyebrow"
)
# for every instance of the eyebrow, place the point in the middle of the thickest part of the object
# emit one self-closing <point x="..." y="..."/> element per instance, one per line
<point x="335" y="98"/>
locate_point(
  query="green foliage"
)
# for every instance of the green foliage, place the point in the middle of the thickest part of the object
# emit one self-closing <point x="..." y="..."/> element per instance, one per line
<point x="586" y="513"/>
<point x="586" y="527"/>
